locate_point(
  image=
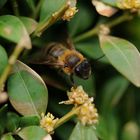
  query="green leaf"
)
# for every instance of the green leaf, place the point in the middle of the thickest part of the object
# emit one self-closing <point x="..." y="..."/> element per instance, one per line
<point x="12" y="122"/>
<point x="130" y="131"/>
<point x="3" y="59"/>
<point x="19" y="66"/>
<point x="3" y="118"/>
<point x="32" y="133"/>
<point x="30" y="95"/>
<point x="81" y="132"/>
<point x="102" y="129"/>
<point x="112" y="92"/>
<point x="29" y="23"/>
<point x="108" y="127"/>
<point x="82" y="20"/>
<point x="124" y="56"/>
<point x="7" y="137"/>
<point x="28" y="120"/>
<point x="49" y="7"/>
<point x="2" y="3"/>
<point x="12" y="29"/>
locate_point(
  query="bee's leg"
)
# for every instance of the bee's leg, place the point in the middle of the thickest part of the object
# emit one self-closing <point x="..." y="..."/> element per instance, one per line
<point x="72" y="80"/>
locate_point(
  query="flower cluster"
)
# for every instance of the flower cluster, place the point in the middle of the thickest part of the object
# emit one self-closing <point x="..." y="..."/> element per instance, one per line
<point x="128" y="4"/>
<point x="87" y="112"/>
<point x="76" y="96"/>
<point x="47" y="122"/>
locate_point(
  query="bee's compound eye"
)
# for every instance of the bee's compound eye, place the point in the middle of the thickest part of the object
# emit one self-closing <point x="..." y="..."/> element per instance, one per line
<point x="83" y="70"/>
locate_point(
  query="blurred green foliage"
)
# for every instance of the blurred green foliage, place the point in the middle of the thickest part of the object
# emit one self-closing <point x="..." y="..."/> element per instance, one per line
<point x="116" y="98"/>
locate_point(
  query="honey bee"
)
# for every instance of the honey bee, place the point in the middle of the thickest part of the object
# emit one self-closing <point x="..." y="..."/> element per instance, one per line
<point x="65" y="57"/>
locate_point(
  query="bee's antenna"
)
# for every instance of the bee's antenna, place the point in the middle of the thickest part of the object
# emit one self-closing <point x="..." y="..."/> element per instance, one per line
<point x="100" y="57"/>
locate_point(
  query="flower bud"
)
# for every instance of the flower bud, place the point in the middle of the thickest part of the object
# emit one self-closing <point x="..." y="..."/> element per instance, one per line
<point x="128" y="4"/>
<point x="88" y="114"/>
<point x="69" y="13"/>
<point x="47" y="122"/>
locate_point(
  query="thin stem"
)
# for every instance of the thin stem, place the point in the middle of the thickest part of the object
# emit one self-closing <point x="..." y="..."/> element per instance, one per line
<point x="88" y="34"/>
<point x="119" y="20"/>
<point x="45" y="24"/>
<point x="67" y="117"/>
<point x="15" y="7"/>
<point x="96" y="29"/>
<point x="37" y="9"/>
<point x="11" y="62"/>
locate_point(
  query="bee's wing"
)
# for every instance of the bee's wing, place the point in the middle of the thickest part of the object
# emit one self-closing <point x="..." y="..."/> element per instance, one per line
<point x="69" y="44"/>
<point x="65" y="39"/>
<point x="50" y="61"/>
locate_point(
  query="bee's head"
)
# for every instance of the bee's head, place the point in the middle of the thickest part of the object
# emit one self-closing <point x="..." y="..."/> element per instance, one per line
<point x="83" y="70"/>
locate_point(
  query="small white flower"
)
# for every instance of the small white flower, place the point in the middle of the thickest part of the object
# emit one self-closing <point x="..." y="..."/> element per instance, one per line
<point x="47" y="122"/>
<point x="77" y="96"/>
<point x="88" y="114"/>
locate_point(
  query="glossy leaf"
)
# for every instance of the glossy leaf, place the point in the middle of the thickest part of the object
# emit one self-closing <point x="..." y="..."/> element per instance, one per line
<point x="12" y="122"/>
<point x="28" y="120"/>
<point x="108" y="127"/>
<point x="7" y="137"/>
<point x="81" y="132"/>
<point x="30" y="95"/>
<point x="112" y="92"/>
<point x="102" y="129"/>
<point x="3" y="59"/>
<point x="29" y="23"/>
<point x="19" y="66"/>
<point x="124" y="56"/>
<point x="32" y="133"/>
<point x="49" y="7"/>
<point x="12" y="29"/>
